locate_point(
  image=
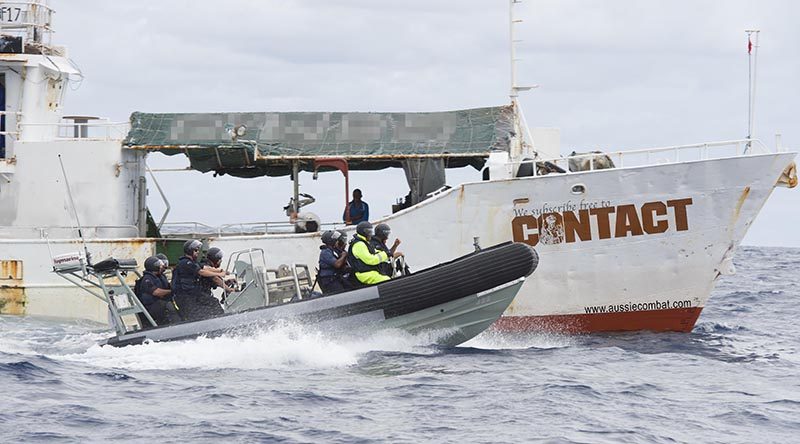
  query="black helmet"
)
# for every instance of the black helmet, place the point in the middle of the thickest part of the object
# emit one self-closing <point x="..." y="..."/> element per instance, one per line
<point x="382" y="231"/>
<point x="163" y="258"/>
<point x="214" y="254"/>
<point x="152" y="264"/>
<point x="364" y="228"/>
<point x="327" y="237"/>
<point x="191" y="246"/>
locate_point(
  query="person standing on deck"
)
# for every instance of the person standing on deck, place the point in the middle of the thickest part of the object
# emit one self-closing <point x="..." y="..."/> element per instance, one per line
<point x="378" y="241"/>
<point x="357" y="209"/>
<point x="364" y="258"/>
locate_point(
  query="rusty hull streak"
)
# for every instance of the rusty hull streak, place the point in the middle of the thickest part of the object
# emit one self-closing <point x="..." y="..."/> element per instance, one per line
<point x="10" y="270"/>
<point x="12" y="291"/>
<point x="460" y="197"/>
<point x="789" y="176"/>
<point x="740" y="202"/>
<point x="12" y="300"/>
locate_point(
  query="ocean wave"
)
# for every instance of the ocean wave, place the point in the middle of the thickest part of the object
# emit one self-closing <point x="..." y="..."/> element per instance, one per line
<point x="717" y="327"/>
<point x="25" y="370"/>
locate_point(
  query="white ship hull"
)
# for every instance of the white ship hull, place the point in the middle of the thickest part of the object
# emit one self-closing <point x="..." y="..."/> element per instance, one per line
<point x="640" y="249"/>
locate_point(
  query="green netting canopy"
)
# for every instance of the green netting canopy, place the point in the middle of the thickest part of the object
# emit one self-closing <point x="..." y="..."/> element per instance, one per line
<point x="271" y="141"/>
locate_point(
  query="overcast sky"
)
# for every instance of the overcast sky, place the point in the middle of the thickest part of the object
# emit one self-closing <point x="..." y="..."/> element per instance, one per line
<point x="613" y="75"/>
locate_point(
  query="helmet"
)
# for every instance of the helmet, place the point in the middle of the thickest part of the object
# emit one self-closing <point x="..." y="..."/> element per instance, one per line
<point x="327" y="237"/>
<point x="383" y="231"/>
<point x="152" y="264"/>
<point x="214" y="254"/>
<point x="337" y="235"/>
<point x="364" y="228"/>
<point x="191" y="246"/>
<point x="163" y="258"/>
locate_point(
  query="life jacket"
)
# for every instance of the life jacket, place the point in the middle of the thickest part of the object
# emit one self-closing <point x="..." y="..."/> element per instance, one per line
<point x="137" y="287"/>
<point x="357" y="264"/>
<point x="182" y="283"/>
<point x="207" y="283"/>
<point x="385" y="268"/>
<point x="326" y="269"/>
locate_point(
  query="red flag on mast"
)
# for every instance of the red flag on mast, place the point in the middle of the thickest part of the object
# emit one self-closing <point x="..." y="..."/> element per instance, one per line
<point x="749" y="45"/>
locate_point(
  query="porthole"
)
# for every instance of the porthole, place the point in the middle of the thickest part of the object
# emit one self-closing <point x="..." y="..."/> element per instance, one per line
<point x="578" y="188"/>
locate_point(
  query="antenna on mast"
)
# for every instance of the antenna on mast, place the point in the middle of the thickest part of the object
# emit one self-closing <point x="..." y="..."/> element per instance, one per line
<point x="524" y="142"/>
<point x="752" y="63"/>
<point x="515" y="89"/>
<point x="74" y="210"/>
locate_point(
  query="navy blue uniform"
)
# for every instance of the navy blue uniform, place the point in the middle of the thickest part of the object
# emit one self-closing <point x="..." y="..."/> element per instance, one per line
<point x="331" y="279"/>
<point x="194" y="302"/>
<point x="162" y="310"/>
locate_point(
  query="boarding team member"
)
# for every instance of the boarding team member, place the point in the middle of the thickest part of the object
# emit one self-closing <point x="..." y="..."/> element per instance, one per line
<point x="363" y="257"/>
<point x="163" y="257"/>
<point x="378" y="241"/>
<point x="155" y="294"/>
<point x="193" y="302"/>
<point x="333" y="267"/>
<point x="213" y="262"/>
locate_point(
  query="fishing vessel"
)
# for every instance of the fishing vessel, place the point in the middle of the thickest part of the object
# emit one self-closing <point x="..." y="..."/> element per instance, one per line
<point x="629" y="240"/>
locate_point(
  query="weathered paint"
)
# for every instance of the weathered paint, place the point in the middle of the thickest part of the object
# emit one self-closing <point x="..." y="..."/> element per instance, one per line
<point x="10" y="270"/>
<point x="43" y="293"/>
<point x="741" y="200"/>
<point x="12" y="290"/>
<point x="788" y="178"/>
<point x="12" y="300"/>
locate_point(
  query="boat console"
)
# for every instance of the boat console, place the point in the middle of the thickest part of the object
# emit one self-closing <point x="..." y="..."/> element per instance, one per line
<point x="254" y="284"/>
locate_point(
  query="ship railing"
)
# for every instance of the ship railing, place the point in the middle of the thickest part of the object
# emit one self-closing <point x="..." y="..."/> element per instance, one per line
<point x="89" y="128"/>
<point x="69" y="232"/>
<point x="596" y="160"/>
<point x="30" y="24"/>
<point x="17" y="114"/>
<point x="196" y="229"/>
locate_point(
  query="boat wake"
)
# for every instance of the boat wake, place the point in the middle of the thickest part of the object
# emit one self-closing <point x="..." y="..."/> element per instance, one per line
<point x="284" y="345"/>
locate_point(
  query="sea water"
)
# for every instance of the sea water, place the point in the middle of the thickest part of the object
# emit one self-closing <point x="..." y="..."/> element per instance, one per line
<point x="734" y="378"/>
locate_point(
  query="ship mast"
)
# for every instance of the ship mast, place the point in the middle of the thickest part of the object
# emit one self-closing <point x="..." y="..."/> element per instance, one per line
<point x="521" y="126"/>
<point x="752" y="63"/>
<point x="515" y="89"/>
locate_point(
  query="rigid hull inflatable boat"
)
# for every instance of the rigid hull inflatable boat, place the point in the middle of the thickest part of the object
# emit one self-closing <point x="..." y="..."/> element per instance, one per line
<point x="460" y="299"/>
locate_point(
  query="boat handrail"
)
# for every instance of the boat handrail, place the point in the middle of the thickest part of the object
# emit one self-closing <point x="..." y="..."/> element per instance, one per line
<point x="95" y="129"/>
<point x="674" y="154"/>
<point x="90" y="231"/>
<point x="31" y="19"/>
<point x="193" y="228"/>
